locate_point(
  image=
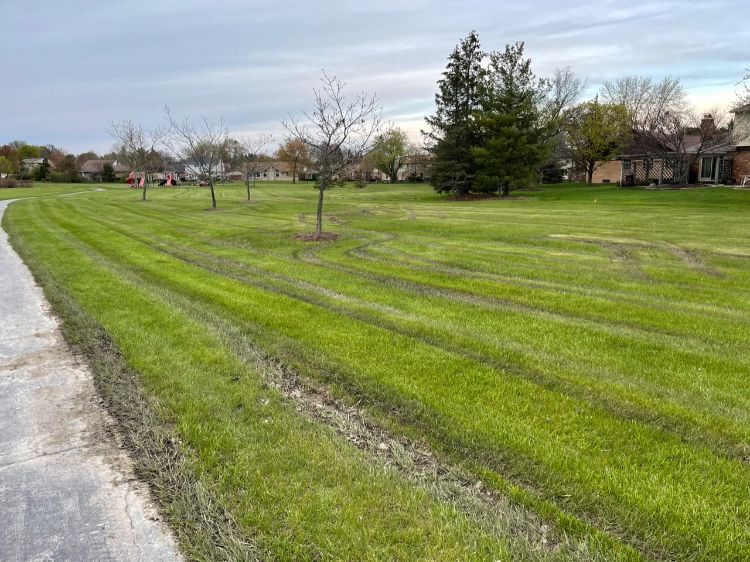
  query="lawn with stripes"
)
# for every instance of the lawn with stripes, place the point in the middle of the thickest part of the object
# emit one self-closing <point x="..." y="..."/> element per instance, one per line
<point x="582" y="350"/>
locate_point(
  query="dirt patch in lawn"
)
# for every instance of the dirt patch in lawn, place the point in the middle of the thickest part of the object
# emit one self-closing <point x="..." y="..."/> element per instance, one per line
<point x="490" y="509"/>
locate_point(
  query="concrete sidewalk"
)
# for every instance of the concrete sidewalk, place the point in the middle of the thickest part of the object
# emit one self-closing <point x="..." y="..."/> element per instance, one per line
<point x="67" y="491"/>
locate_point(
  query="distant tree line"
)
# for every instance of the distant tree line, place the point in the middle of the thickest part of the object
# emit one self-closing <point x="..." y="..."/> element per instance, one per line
<point x="59" y="164"/>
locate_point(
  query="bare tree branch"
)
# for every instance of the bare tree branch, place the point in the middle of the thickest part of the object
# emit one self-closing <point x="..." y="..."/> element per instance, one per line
<point x="250" y="151"/>
<point x="137" y="147"/>
<point x="338" y="132"/>
<point x="648" y="102"/>
<point x="202" y="146"/>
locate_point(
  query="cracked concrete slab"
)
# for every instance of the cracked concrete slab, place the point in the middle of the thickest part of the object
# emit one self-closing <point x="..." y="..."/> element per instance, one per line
<point x="67" y="489"/>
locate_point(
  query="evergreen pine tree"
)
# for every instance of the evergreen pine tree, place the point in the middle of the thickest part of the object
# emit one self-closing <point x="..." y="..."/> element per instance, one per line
<point x="452" y="131"/>
<point x="512" y="138"/>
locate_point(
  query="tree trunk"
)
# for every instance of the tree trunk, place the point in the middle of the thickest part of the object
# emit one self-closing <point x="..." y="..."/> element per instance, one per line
<point x="321" y="190"/>
<point x="294" y="173"/>
<point x="213" y="195"/>
<point x="145" y="186"/>
<point x="247" y="186"/>
<point x="505" y="190"/>
<point x="589" y="174"/>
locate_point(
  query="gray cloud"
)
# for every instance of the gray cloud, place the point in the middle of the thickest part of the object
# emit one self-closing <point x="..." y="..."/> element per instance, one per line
<point x="69" y="67"/>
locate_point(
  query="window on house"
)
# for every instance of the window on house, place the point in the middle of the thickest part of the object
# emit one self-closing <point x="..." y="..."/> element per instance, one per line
<point x="707" y="168"/>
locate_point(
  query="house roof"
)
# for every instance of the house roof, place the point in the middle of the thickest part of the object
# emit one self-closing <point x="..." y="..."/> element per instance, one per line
<point x="95" y="166"/>
<point x="719" y="147"/>
<point x="418" y="159"/>
<point x="641" y="144"/>
<point x="279" y="165"/>
<point x="34" y="160"/>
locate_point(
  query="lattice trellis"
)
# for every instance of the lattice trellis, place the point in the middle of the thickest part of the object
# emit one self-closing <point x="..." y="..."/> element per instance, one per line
<point x="645" y="171"/>
<point x="725" y="170"/>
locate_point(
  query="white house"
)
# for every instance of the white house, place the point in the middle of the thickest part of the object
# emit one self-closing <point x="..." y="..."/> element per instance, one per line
<point x="193" y="170"/>
<point x="268" y="171"/>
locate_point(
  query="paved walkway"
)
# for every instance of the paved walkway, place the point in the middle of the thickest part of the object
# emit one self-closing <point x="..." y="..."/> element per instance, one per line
<point x="67" y="492"/>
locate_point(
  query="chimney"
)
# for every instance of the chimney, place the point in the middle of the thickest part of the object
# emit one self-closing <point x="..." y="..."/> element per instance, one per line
<point x="708" y="126"/>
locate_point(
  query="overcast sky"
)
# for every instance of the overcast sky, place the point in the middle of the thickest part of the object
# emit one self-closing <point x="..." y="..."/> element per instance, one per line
<point x="70" y="66"/>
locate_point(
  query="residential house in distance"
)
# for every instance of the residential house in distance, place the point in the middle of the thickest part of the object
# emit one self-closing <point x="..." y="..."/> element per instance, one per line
<point x="272" y="170"/>
<point x="416" y="168"/>
<point x="92" y="169"/>
<point x="30" y="164"/>
<point x="175" y="170"/>
<point x="725" y="160"/>
<point x="192" y="172"/>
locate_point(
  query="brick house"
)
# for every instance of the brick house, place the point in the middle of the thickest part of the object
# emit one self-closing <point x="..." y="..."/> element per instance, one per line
<point x="741" y="139"/>
<point x="725" y="162"/>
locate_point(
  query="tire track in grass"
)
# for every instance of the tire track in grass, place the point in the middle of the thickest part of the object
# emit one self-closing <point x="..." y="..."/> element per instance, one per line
<point x="157" y="217"/>
<point x="541" y="548"/>
<point x="572" y="525"/>
<point x="408" y="258"/>
<point x="726" y="443"/>
<point x="730" y="443"/>
<point x="489" y="510"/>
<point x="502" y="304"/>
<point x="499" y="304"/>
<point x="339" y="297"/>
<point x="655" y="331"/>
<point x="514" y="462"/>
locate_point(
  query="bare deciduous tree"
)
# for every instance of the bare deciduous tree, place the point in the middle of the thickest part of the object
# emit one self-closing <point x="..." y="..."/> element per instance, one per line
<point x="565" y="92"/>
<point x="647" y="101"/>
<point x="202" y="146"/>
<point x="250" y="149"/>
<point x="338" y="132"/>
<point x="683" y="137"/>
<point x="137" y="147"/>
<point x="744" y="95"/>
<point x="558" y="109"/>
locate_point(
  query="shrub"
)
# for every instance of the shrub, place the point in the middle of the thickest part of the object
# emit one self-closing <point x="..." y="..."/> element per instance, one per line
<point x="13" y="182"/>
<point x="108" y="173"/>
<point x="65" y="177"/>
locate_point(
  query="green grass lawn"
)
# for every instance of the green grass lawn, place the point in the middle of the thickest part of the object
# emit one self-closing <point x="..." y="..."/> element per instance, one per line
<point x="582" y="350"/>
<point x="41" y="189"/>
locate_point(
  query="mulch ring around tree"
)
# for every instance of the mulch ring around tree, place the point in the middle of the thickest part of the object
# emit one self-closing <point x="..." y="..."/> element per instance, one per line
<point x="315" y="236"/>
